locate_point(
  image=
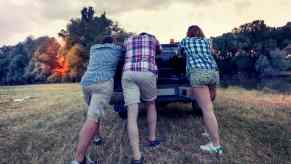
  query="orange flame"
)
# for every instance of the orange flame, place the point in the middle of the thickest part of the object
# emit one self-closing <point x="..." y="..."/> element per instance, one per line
<point x="63" y="66"/>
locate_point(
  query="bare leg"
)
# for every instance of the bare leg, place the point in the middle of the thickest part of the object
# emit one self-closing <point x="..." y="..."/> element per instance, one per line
<point x="133" y="130"/>
<point x="152" y="120"/>
<point x="86" y="134"/>
<point x="98" y="130"/>
<point x="212" y="90"/>
<point x="202" y="96"/>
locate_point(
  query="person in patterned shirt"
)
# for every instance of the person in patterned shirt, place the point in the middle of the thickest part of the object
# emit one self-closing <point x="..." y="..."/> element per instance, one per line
<point x="139" y="83"/>
<point x="203" y="75"/>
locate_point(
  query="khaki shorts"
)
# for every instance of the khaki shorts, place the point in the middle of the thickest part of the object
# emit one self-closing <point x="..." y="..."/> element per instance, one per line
<point x="139" y="86"/>
<point x="97" y="97"/>
<point x="199" y="77"/>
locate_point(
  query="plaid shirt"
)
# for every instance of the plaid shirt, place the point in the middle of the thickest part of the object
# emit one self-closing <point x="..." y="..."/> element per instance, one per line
<point x="198" y="53"/>
<point x="141" y="53"/>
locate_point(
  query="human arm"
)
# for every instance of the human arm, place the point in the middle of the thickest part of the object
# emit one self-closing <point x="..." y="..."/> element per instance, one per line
<point x="158" y="48"/>
<point x="181" y="49"/>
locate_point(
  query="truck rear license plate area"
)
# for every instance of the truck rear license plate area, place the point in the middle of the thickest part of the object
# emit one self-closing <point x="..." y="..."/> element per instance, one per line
<point x="166" y="92"/>
<point x="178" y="91"/>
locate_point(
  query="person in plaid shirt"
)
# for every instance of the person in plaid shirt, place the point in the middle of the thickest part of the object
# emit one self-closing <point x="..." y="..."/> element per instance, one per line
<point x="140" y="53"/>
<point x="203" y="75"/>
<point x="139" y="83"/>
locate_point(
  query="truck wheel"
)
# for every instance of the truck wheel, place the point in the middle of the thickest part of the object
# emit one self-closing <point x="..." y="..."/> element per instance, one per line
<point x="122" y="110"/>
<point x="161" y="105"/>
<point x="123" y="115"/>
<point x="196" y="109"/>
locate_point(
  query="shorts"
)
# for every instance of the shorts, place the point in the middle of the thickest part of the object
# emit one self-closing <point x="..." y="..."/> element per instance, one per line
<point x="139" y="86"/>
<point x="97" y="97"/>
<point x="200" y="77"/>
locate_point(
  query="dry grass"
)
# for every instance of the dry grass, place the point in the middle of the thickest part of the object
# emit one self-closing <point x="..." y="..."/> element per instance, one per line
<point x="44" y="129"/>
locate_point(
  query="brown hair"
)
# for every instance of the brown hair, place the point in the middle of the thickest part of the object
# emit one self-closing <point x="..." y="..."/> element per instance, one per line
<point x="107" y="39"/>
<point x="195" y="31"/>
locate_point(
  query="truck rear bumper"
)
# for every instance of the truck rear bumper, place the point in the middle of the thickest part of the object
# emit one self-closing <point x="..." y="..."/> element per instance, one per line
<point x="166" y="94"/>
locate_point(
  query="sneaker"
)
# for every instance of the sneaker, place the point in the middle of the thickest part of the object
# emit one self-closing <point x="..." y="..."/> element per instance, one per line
<point x="98" y="140"/>
<point x="211" y="148"/>
<point x="140" y="161"/>
<point x="153" y="144"/>
<point x="205" y="134"/>
<point x="87" y="160"/>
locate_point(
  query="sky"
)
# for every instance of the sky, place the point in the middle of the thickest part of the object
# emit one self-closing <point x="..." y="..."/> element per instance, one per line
<point x="164" y="18"/>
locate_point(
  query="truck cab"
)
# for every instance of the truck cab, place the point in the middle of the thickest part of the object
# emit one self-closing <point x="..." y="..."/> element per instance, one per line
<point x="172" y="82"/>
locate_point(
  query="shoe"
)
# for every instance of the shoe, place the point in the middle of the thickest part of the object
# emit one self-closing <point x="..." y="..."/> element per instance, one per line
<point x="205" y="134"/>
<point x="87" y="160"/>
<point x="210" y="148"/>
<point x="153" y="144"/>
<point x="98" y="140"/>
<point x="140" y="161"/>
<point x="77" y="162"/>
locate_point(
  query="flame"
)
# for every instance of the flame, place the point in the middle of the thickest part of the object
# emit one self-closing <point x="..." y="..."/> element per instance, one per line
<point x="63" y="67"/>
<point x="68" y="60"/>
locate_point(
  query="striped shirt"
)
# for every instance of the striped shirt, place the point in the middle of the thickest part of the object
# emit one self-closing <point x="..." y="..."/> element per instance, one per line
<point x="102" y="64"/>
<point x="141" y="53"/>
<point x="198" y="53"/>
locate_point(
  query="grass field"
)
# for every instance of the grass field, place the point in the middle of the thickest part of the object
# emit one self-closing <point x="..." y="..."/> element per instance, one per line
<point x="43" y="129"/>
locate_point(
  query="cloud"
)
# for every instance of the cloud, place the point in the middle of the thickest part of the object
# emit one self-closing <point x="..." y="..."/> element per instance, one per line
<point x="242" y="6"/>
<point x="30" y="17"/>
<point x="15" y="19"/>
<point x="116" y="6"/>
<point x="55" y="9"/>
<point x="21" y="18"/>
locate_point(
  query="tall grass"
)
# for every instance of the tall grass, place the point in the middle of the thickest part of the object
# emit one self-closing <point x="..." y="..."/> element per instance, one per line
<point x="43" y="129"/>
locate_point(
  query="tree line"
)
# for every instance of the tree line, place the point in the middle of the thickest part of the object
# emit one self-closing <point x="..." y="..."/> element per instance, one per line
<point x="252" y="50"/>
<point x="46" y="59"/>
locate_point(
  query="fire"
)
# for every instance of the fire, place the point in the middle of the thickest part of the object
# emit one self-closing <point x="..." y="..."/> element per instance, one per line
<point x="68" y="61"/>
<point x="63" y="66"/>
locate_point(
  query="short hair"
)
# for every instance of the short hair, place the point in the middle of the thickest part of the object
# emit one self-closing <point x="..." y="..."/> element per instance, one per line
<point x="145" y="33"/>
<point x="107" y="39"/>
<point x="195" y="31"/>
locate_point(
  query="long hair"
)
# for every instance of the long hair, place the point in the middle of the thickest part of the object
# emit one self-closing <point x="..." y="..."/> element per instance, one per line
<point x="195" y="31"/>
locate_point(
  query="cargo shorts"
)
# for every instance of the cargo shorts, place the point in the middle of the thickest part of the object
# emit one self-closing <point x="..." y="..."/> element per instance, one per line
<point x="97" y="97"/>
<point x="139" y="86"/>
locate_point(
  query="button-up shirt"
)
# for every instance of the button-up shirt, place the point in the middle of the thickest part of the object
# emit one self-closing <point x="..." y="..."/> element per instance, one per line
<point x="198" y="53"/>
<point x="102" y="64"/>
<point x="141" y="53"/>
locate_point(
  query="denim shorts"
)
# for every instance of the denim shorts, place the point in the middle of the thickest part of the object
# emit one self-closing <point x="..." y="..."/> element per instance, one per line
<point x="200" y="77"/>
<point x="97" y="97"/>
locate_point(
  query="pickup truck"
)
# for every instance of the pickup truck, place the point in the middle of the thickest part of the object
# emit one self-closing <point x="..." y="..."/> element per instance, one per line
<point x="172" y="83"/>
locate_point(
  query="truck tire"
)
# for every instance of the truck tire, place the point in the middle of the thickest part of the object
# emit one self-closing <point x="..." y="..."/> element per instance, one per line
<point x="196" y="109"/>
<point x="161" y="105"/>
<point x="122" y="110"/>
<point x="123" y="115"/>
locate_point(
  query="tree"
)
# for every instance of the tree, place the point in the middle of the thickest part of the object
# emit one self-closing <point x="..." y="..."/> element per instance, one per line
<point x="16" y="69"/>
<point x="263" y="66"/>
<point x="279" y="60"/>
